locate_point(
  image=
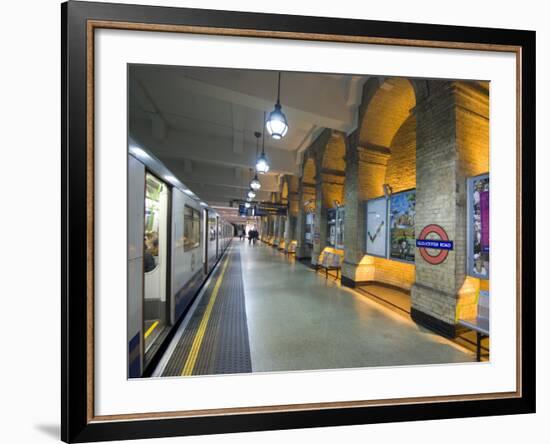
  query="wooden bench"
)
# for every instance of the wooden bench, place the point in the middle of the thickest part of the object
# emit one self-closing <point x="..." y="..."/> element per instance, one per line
<point x="291" y="248"/>
<point x="479" y="323"/>
<point x="329" y="262"/>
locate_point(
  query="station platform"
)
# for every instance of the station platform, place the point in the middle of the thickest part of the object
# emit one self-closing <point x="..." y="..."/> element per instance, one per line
<point x="261" y="311"/>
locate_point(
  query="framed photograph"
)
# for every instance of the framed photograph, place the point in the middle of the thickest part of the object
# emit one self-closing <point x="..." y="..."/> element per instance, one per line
<point x="478" y="226"/>
<point x="401" y="232"/>
<point x="201" y="152"/>
<point x="377" y="221"/>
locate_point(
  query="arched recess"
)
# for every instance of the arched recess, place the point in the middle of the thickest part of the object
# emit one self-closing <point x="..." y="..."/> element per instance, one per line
<point x="333" y="171"/>
<point x="284" y="191"/>
<point x="387" y="134"/>
<point x="386" y="111"/>
<point x="309" y="177"/>
<point x="293" y="203"/>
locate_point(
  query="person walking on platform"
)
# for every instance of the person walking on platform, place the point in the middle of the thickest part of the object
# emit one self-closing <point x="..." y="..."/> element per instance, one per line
<point x="250" y="235"/>
<point x="241" y="234"/>
<point x="255" y="235"/>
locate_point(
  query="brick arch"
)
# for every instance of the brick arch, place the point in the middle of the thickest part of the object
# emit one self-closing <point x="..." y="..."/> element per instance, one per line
<point x="386" y="106"/>
<point x="333" y="167"/>
<point x="334" y="154"/>
<point x="284" y="190"/>
<point x="293" y="184"/>
<point x="401" y="169"/>
<point x="308" y="181"/>
<point x="309" y="171"/>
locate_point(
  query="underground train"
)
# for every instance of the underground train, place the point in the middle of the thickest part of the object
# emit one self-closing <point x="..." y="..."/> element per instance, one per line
<point x="174" y="242"/>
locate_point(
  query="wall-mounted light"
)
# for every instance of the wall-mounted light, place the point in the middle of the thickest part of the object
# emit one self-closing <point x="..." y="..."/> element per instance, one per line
<point x="277" y="125"/>
<point x="387" y="189"/>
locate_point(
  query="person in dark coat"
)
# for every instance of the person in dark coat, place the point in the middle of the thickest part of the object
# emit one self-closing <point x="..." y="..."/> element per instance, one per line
<point x="148" y="259"/>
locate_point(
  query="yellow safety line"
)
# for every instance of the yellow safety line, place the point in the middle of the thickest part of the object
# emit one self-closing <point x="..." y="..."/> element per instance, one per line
<point x="151" y="328"/>
<point x="199" y="336"/>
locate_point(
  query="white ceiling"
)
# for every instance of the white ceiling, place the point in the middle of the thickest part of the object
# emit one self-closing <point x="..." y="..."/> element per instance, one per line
<point x="201" y="121"/>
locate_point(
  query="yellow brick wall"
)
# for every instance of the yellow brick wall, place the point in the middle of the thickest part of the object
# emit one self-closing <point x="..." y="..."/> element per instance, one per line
<point x="395" y="273"/>
<point x="401" y="170"/>
<point x="371" y="179"/>
<point x="332" y="192"/>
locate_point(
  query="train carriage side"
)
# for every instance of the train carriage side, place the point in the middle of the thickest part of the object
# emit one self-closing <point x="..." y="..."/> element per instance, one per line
<point x="187" y="252"/>
<point x="211" y="239"/>
<point x="165" y="260"/>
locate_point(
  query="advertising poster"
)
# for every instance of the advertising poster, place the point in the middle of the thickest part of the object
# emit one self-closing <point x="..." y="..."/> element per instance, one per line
<point x="479" y="226"/>
<point x="340" y="215"/>
<point x="376" y="227"/>
<point x="402" y="215"/>
<point x="331" y="227"/>
<point x="309" y="228"/>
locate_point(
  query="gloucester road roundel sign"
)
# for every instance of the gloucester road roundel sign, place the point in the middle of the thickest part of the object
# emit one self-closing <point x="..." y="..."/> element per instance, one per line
<point x="443" y="244"/>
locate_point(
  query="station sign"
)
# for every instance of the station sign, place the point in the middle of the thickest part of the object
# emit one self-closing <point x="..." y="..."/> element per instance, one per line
<point x="443" y="244"/>
<point x="436" y="244"/>
<point x="270" y="209"/>
<point x="243" y="211"/>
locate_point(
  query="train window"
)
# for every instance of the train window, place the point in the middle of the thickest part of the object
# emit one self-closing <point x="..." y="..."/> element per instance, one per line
<point x="211" y="229"/>
<point x="153" y="194"/>
<point x="191" y="228"/>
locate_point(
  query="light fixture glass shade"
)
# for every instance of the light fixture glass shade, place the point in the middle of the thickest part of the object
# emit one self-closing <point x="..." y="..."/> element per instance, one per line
<point x="251" y="194"/>
<point x="255" y="183"/>
<point x="247" y="204"/>
<point x="277" y="125"/>
<point x="262" y="166"/>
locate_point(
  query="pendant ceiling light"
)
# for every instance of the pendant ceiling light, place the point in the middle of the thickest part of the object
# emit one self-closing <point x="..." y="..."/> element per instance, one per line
<point x="277" y="125"/>
<point x="251" y="194"/>
<point x="255" y="183"/>
<point x="247" y="205"/>
<point x="262" y="164"/>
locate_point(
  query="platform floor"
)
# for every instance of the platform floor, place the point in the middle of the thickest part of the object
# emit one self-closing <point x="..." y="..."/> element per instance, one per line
<point x="284" y="316"/>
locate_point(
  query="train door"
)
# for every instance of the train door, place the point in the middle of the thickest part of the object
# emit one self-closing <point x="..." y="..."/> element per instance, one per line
<point x="205" y="239"/>
<point x="155" y="259"/>
<point x="217" y="237"/>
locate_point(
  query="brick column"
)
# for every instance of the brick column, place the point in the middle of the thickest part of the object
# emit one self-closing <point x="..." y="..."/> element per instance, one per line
<point x="319" y="235"/>
<point x="365" y="172"/>
<point x="268" y="223"/>
<point x="444" y="158"/>
<point x="281" y="231"/>
<point x="302" y="250"/>
<point x="271" y="226"/>
<point x="275" y="230"/>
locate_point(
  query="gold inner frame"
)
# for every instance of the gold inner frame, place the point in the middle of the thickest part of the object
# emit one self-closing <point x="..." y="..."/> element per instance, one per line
<point x="92" y="25"/>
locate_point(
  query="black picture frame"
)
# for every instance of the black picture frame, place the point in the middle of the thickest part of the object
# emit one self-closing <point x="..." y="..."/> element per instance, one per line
<point x="77" y="424"/>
